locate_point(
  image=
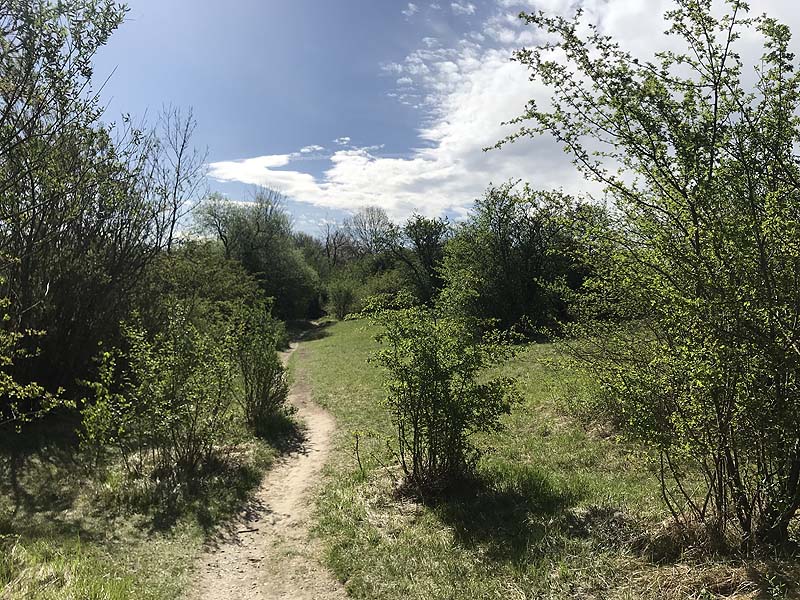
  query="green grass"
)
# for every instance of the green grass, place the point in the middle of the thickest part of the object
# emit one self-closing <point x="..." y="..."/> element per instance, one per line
<point x="558" y="510"/>
<point x="71" y="530"/>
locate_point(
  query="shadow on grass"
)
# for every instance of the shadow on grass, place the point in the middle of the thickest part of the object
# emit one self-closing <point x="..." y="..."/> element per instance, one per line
<point x="518" y="514"/>
<point x="39" y="471"/>
<point x="304" y="331"/>
<point x="224" y="487"/>
<point x="511" y="513"/>
<point x="46" y="478"/>
<point x="776" y="579"/>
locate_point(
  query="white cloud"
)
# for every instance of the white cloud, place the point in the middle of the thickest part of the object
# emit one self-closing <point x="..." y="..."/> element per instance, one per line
<point x="436" y="6"/>
<point x="410" y="10"/>
<point x="464" y="92"/>
<point x="462" y="8"/>
<point x="312" y="148"/>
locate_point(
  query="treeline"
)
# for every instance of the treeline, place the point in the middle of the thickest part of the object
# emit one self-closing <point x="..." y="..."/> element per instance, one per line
<point x="512" y="259"/>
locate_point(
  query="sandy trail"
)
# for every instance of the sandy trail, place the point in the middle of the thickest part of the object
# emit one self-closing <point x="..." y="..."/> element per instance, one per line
<point x="267" y="552"/>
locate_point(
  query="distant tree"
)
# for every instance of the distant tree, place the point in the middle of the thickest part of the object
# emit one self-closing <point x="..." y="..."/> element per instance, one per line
<point x="368" y="229"/>
<point x="313" y="250"/>
<point x="259" y="235"/>
<point x="419" y="245"/>
<point x="514" y="251"/>
<point x="178" y="169"/>
<point x="336" y="243"/>
<point x="342" y="296"/>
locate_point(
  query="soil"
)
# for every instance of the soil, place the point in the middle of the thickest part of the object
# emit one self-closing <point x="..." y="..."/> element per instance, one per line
<point x="268" y="552"/>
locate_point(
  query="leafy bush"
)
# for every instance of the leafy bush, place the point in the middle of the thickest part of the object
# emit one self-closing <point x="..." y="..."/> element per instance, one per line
<point x="265" y="387"/>
<point x="165" y="403"/>
<point x="437" y="390"/>
<point x="342" y="296"/>
<point x="20" y="402"/>
<point x="259" y="236"/>
<point x="516" y="252"/>
<point x="694" y="319"/>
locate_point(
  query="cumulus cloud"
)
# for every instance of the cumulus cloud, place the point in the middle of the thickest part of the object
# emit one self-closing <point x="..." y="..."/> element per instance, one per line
<point x="464" y="92"/>
<point x="462" y="8"/>
<point x="312" y="148"/>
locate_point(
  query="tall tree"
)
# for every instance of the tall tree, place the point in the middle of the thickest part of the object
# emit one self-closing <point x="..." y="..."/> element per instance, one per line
<point x="179" y="171"/>
<point x="259" y="235"/>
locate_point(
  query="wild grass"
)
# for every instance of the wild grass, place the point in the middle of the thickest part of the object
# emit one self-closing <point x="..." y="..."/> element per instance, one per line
<point x="73" y="525"/>
<point x="558" y="509"/>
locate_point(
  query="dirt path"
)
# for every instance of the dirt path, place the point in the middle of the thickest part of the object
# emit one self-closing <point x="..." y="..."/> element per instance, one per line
<point x="268" y="553"/>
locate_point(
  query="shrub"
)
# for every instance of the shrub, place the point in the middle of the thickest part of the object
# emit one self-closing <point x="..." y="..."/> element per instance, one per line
<point x="694" y="317"/>
<point x="516" y="252"/>
<point x="437" y="390"/>
<point x="265" y="387"/>
<point x="342" y="297"/>
<point x="164" y="403"/>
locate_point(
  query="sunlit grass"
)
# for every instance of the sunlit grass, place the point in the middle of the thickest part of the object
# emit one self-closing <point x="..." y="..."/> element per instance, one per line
<point x="558" y="509"/>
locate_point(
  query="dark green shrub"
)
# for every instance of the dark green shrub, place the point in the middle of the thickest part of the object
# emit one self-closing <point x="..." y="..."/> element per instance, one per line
<point x="342" y="296"/>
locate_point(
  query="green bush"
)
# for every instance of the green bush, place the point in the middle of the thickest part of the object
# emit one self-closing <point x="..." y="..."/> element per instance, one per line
<point x="438" y="391"/>
<point x="165" y="403"/>
<point x="693" y="313"/>
<point x="516" y="253"/>
<point x="342" y="297"/>
<point x="265" y="387"/>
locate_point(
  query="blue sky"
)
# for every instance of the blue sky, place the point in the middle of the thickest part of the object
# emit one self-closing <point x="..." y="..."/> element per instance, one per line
<point x="346" y="103"/>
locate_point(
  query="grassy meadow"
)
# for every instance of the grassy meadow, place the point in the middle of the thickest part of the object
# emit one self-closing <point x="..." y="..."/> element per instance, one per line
<point x="560" y="509"/>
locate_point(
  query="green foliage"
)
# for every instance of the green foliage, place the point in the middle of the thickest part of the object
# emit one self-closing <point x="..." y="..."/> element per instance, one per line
<point x="342" y="296"/>
<point x="419" y="247"/>
<point x="73" y="192"/>
<point x="203" y="347"/>
<point x="215" y="290"/>
<point x="701" y="263"/>
<point x="20" y="402"/>
<point x="265" y="387"/>
<point x="259" y="235"/>
<point x="167" y="410"/>
<point x="437" y="391"/>
<point x="550" y="515"/>
<point x="515" y="253"/>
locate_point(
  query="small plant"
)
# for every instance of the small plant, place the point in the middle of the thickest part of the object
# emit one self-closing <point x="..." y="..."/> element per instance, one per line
<point x="437" y="389"/>
<point x="342" y="297"/>
<point x="264" y="384"/>
<point x="164" y="403"/>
